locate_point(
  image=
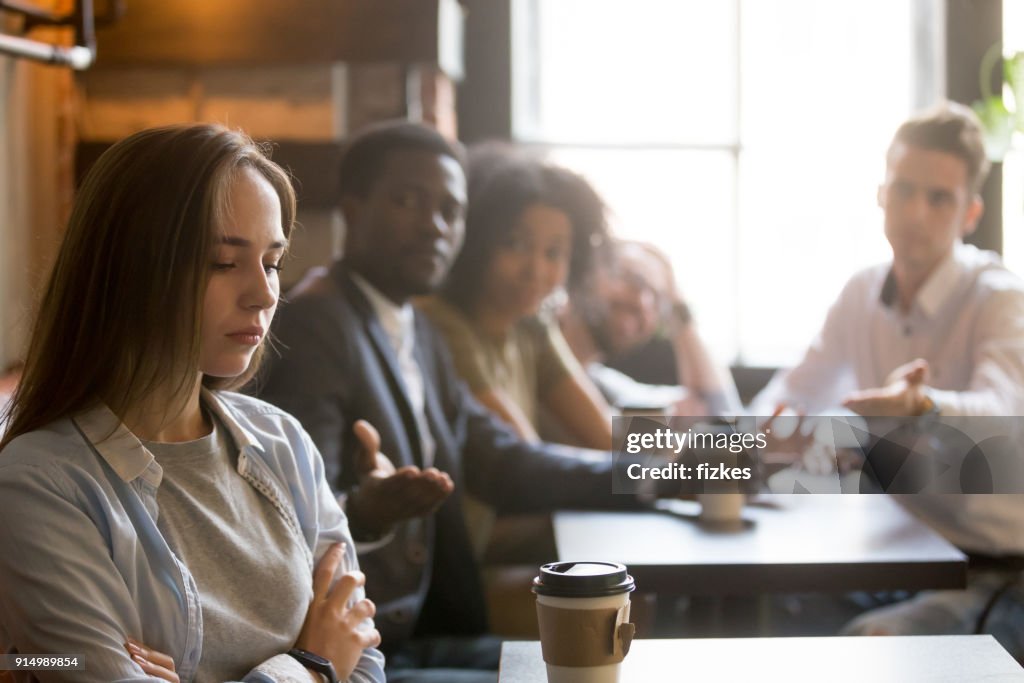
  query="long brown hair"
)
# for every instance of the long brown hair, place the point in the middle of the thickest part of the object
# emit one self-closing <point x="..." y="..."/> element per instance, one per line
<point x="121" y="313"/>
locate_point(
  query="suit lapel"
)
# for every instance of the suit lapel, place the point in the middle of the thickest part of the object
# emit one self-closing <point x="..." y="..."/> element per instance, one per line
<point x="385" y="355"/>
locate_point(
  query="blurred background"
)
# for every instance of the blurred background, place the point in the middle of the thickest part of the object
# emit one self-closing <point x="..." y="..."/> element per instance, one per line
<point x="745" y="137"/>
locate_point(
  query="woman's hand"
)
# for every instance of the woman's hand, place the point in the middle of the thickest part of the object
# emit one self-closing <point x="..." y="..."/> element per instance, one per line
<point x="332" y="629"/>
<point x="152" y="662"/>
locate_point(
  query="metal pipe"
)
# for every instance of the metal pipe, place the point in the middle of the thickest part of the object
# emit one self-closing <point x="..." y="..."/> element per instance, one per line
<point x="85" y="26"/>
<point x="77" y="57"/>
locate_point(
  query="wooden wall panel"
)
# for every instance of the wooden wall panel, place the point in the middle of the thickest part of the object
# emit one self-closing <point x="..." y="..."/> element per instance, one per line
<point x="277" y="103"/>
<point x="205" y="32"/>
<point x="37" y="140"/>
<point x="114" y="103"/>
<point x="281" y="103"/>
<point x="376" y="92"/>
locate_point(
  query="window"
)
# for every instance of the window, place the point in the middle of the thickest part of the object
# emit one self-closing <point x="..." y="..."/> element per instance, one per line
<point x="1013" y="163"/>
<point x="744" y="137"/>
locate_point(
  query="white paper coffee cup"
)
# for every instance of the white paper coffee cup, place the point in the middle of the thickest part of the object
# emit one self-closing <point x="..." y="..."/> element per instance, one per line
<point x="583" y="613"/>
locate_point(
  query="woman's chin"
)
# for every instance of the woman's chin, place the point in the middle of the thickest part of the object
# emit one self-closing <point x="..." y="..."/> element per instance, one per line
<point x="227" y="369"/>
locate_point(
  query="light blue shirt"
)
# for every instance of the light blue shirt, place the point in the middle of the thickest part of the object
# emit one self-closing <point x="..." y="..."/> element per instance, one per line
<point x="83" y="566"/>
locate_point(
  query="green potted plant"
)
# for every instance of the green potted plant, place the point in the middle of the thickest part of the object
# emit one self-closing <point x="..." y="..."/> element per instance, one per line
<point x="1001" y="113"/>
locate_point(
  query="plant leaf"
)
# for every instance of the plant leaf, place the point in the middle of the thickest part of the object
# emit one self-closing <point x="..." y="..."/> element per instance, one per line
<point x="998" y="124"/>
<point x="1013" y="74"/>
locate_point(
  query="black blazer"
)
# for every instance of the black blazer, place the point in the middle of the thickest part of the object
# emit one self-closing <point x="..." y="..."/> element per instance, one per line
<point x="333" y="366"/>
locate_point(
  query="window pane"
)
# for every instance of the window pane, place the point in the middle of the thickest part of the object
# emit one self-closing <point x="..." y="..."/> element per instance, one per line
<point x="745" y="136"/>
<point x="627" y="72"/>
<point x="1013" y="165"/>
<point x="1013" y="210"/>
<point x="820" y="74"/>
<point x="806" y="225"/>
<point x="809" y="170"/>
<point x="680" y="201"/>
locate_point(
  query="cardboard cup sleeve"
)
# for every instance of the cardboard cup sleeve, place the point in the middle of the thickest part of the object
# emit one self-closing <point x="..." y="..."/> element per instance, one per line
<point x="584" y="637"/>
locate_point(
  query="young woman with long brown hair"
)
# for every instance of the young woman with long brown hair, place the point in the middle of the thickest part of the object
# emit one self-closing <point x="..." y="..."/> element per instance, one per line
<point x="155" y="524"/>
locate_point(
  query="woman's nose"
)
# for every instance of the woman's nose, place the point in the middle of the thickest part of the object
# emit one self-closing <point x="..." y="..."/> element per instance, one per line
<point x="262" y="292"/>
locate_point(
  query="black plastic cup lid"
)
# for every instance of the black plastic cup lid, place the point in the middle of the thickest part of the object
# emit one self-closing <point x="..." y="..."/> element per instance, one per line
<point x="582" y="579"/>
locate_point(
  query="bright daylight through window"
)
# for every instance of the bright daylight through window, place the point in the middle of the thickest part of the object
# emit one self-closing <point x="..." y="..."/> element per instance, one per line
<point x="746" y="138"/>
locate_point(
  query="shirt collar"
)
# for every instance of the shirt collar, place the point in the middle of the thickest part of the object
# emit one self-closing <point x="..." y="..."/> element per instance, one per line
<point x="126" y="454"/>
<point x="121" y="449"/>
<point x="939" y="286"/>
<point x="242" y="437"/>
<point x="397" y="320"/>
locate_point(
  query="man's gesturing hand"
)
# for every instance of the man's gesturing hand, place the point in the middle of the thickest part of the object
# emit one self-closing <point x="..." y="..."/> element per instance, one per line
<point x="904" y="393"/>
<point x="386" y="495"/>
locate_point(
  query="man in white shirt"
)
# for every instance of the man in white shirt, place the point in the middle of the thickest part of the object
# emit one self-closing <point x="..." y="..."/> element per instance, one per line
<point x="940" y="329"/>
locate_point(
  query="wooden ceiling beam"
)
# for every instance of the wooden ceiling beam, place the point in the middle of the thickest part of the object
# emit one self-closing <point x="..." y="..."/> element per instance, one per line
<point x="243" y="32"/>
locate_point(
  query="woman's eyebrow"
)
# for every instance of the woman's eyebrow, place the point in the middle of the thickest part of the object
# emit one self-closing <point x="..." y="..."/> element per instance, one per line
<point x="232" y="241"/>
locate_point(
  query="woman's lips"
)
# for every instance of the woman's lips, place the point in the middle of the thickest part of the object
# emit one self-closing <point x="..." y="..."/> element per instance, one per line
<point x="248" y="337"/>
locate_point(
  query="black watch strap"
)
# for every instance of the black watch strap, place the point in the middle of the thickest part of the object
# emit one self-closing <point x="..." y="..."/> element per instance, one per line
<point x="315" y="662"/>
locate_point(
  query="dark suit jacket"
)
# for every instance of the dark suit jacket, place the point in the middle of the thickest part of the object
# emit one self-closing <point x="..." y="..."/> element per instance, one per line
<point x="334" y="366"/>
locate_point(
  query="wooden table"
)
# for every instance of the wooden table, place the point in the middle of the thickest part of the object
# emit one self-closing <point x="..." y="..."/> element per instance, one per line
<point x="903" y="659"/>
<point x="790" y="544"/>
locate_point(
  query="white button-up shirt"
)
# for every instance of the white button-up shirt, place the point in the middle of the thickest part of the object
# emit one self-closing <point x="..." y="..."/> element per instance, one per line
<point x="967" y="321"/>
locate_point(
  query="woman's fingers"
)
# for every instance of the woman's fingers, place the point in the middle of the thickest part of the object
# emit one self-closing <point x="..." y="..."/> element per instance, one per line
<point x="335" y="626"/>
<point x="344" y="588"/>
<point x="364" y="609"/>
<point x="149" y="654"/>
<point x="325" y="569"/>
<point x="371" y="638"/>
<point x="151" y="661"/>
<point x="156" y="670"/>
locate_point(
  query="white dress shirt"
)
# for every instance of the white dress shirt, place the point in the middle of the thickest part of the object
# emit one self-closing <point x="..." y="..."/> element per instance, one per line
<point x="967" y="321"/>
<point x="399" y="326"/>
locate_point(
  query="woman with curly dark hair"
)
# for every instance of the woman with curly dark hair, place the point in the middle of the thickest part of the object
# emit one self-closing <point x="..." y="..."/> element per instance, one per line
<point x="531" y="229"/>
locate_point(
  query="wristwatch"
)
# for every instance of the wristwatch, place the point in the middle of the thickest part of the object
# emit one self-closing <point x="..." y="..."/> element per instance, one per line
<point x="315" y="662"/>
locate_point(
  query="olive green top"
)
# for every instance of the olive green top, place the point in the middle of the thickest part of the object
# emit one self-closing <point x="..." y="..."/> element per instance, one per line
<point x="531" y="359"/>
